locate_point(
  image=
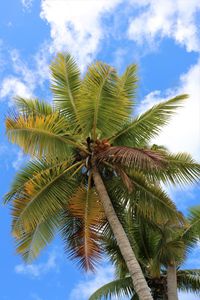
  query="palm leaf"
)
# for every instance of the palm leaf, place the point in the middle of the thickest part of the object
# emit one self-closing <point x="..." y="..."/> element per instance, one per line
<point x="127" y="87"/>
<point x="189" y="280"/>
<point x="30" y="244"/>
<point x="117" y="288"/>
<point x="33" y="107"/>
<point x="100" y="109"/>
<point x="132" y="157"/>
<point x="151" y="201"/>
<point x="194" y="219"/>
<point x="42" y="194"/>
<point x="65" y="85"/>
<point x="39" y="135"/>
<point x="146" y="200"/>
<point x="141" y="130"/>
<point x="180" y="169"/>
<point x="81" y="227"/>
<point x="191" y="232"/>
<point x="129" y="81"/>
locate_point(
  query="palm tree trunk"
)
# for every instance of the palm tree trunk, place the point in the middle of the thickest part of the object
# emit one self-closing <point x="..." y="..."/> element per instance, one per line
<point x="139" y="282"/>
<point x="172" y="283"/>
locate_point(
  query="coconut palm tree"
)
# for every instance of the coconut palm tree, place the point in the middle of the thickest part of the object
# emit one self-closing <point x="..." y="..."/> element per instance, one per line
<point x="84" y="138"/>
<point x="122" y="288"/>
<point x="157" y="247"/>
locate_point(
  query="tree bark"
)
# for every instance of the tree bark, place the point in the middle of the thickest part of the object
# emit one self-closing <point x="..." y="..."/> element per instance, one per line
<point x="172" y="283"/>
<point x="139" y="282"/>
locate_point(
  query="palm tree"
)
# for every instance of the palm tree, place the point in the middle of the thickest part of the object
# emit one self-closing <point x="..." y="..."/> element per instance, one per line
<point x="187" y="281"/>
<point x="87" y="136"/>
<point x="157" y="247"/>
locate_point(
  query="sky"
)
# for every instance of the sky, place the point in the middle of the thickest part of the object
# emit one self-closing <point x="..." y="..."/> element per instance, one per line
<point x="162" y="37"/>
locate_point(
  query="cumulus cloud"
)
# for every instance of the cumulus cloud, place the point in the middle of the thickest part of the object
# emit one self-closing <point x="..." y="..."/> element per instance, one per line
<point x="85" y="288"/>
<point x="183" y="132"/>
<point x="25" y="78"/>
<point x="175" y="19"/>
<point x="37" y="270"/>
<point x="12" y="86"/>
<point x="76" y="25"/>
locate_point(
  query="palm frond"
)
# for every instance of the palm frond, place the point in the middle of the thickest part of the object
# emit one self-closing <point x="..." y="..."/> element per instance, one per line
<point x="117" y="288"/>
<point x="129" y="81"/>
<point x="151" y="201"/>
<point x="30" y="170"/>
<point x="191" y="232"/>
<point x="132" y="157"/>
<point x="30" y="244"/>
<point x="141" y="130"/>
<point x="127" y="84"/>
<point x="179" y="169"/>
<point x="100" y="109"/>
<point x="194" y="218"/>
<point x="41" y="193"/>
<point x="33" y="107"/>
<point x="38" y="135"/>
<point x="189" y="280"/>
<point x="65" y="85"/>
<point x="81" y="227"/>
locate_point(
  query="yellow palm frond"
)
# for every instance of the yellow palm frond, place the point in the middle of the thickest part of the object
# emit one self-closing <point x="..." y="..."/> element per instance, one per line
<point x="41" y="134"/>
<point x="86" y="211"/>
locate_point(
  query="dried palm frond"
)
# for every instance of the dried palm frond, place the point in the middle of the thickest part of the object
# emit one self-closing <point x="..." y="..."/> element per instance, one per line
<point x="86" y="216"/>
<point x="132" y="157"/>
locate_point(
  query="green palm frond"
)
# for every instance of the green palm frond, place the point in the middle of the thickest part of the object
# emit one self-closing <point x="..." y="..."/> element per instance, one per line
<point x="30" y="244"/>
<point x="117" y="288"/>
<point x="65" y="85"/>
<point x="194" y="219"/>
<point x="142" y="129"/>
<point x="38" y="135"/>
<point x="102" y="107"/>
<point x="191" y="232"/>
<point x="129" y="82"/>
<point x="33" y="107"/>
<point x="151" y="201"/>
<point x="189" y="280"/>
<point x="81" y="227"/>
<point x="182" y="168"/>
<point x="179" y="168"/>
<point x="146" y="238"/>
<point x="43" y="193"/>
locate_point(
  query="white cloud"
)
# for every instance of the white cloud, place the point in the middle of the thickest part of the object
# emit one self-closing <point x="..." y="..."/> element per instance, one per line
<point x="76" y="25"/>
<point x="39" y="73"/>
<point x="12" y="86"/>
<point x="37" y="270"/>
<point x="25" y="79"/>
<point x="176" y="19"/>
<point x="183" y="131"/>
<point x="85" y="288"/>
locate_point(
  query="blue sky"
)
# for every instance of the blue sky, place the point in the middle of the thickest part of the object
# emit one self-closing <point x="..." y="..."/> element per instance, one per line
<point x="162" y="37"/>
